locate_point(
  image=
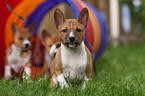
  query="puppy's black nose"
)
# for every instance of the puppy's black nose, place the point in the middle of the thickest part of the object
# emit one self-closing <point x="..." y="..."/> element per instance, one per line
<point x="72" y="39"/>
<point x="26" y="45"/>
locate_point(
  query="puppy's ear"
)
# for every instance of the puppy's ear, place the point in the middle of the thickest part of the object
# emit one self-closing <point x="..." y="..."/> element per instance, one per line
<point x="83" y="17"/>
<point x="45" y="34"/>
<point x="14" y="28"/>
<point x="58" y="17"/>
<point x="31" y="27"/>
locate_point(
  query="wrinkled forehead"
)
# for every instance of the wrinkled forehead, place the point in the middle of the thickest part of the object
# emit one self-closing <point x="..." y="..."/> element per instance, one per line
<point x="72" y="23"/>
<point x="23" y="33"/>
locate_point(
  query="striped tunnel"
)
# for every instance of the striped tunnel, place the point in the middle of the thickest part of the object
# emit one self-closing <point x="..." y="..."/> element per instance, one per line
<point x="35" y="10"/>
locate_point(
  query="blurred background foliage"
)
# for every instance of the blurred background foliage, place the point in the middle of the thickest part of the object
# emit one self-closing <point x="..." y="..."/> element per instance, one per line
<point x="137" y="8"/>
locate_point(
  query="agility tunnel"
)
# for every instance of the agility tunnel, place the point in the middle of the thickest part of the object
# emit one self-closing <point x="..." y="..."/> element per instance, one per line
<point x="35" y="10"/>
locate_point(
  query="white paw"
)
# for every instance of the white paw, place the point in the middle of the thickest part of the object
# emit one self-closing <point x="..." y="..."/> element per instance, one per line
<point x="24" y="77"/>
<point x="52" y="50"/>
<point x="28" y="71"/>
<point x="62" y="81"/>
<point x="63" y="85"/>
<point x="7" y="72"/>
<point x="54" y="80"/>
<point x="84" y="86"/>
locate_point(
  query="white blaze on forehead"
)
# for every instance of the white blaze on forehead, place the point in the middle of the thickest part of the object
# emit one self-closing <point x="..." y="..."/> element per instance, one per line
<point x="26" y="42"/>
<point x="71" y="32"/>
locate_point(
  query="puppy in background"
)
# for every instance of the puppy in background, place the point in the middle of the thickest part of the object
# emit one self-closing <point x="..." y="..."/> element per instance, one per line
<point x="37" y="57"/>
<point x="17" y="58"/>
<point x="49" y="40"/>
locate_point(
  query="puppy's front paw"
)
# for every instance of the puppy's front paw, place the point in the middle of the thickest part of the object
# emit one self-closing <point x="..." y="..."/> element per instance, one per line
<point x="62" y="81"/>
<point x="64" y="86"/>
<point x="84" y="86"/>
<point x="6" y="78"/>
<point x="25" y="77"/>
<point x="27" y="70"/>
<point x="7" y="72"/>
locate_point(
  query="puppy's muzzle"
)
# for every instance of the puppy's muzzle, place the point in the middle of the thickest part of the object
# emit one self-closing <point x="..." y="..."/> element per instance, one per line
<point x="72" y="38"/>
<point x="26" y="44"/>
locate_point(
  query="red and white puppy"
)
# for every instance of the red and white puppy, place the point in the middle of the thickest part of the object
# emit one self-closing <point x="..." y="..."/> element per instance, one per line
<point x="73" y="60"/>
<point x="49" y="40"/>
<point x="18" y="55"/>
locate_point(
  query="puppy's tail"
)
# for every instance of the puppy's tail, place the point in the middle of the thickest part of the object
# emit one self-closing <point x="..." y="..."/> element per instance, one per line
<point x="54" y="49"/>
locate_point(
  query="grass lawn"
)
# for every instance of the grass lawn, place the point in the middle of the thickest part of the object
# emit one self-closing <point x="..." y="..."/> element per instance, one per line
<point x="120" y="71"/>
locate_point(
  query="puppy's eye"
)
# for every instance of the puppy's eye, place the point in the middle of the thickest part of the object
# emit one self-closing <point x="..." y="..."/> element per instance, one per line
<point x="64" y="31"/>
<point x="20" y="38"/>
<point x="29" y="38"/>
<point x="78" y="30"/>
<point x="50" y="45"/>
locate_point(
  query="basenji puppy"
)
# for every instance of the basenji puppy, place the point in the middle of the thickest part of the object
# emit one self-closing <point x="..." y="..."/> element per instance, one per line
<point x="18" y="55"/>
<point x="49" y="40"/>
<point x="37" y="57"/>
<point x="73" y="59"/>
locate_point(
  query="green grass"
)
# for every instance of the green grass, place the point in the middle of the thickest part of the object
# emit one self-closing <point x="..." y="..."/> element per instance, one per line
<point x="120" y="72"/>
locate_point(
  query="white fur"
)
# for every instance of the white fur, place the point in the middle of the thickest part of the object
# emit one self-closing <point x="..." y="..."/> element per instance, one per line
<point x="26" y="42"/>
<point x="74" y="61"/>
<point x="71" y="34"/>
<point x="71" y="45"/>
<point x="55" y="50"/>
<point x="48" y="58"/>
<point x="28" y="71"/>
<point x="84" y="84"/>
<point x="8" y="71"/>
<point x="14" y="59"/>
<point x="55" y="81"/>
<point x="62" y="80"/>
<point x="52" y="50"/>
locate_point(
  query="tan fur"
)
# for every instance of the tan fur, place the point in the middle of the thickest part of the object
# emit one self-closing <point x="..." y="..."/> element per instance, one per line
<point x="70" y="25"/>
<point x="21" y="33"/>
<point x="6" y="57"/>
<point x="52" y="82"/>
<point x="49" y="40"/>
<point x="88" y="70"/>
<point x="18" y="44"/>
<point x="56" y="66"/>
<point x="28" y="64"/>
<point x="67" y="25"/>
<point x="24" y="34"/>
<point x="23" y="55"/>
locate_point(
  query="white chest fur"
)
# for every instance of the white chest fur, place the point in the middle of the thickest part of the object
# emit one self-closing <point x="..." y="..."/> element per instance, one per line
<point x="48" y="58"/>
<point x="74" y="61"/>
<point x="16" y="62"/>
